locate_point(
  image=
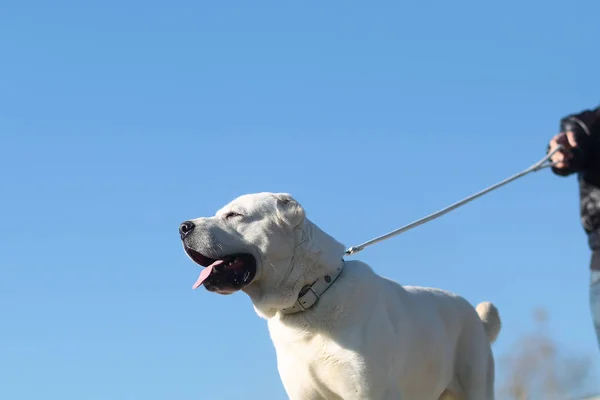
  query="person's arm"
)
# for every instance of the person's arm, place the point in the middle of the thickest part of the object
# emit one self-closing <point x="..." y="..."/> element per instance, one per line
<point x="580" y="140"/>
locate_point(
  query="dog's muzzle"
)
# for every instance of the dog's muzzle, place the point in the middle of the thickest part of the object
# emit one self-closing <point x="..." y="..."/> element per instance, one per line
<point x="224" y="274"/>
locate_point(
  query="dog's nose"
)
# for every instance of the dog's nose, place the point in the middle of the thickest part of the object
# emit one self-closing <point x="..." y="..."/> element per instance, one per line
<point x="186" y="228"/>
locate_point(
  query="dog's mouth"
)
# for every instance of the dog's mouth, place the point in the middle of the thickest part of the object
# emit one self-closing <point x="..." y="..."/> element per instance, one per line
<point x="227" y="274"/>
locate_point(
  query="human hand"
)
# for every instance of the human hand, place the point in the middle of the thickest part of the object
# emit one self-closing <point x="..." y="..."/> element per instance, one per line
<point x="568" y="142"/>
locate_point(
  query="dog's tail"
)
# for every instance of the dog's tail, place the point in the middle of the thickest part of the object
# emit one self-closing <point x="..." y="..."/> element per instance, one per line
<point x="488" y="313"/>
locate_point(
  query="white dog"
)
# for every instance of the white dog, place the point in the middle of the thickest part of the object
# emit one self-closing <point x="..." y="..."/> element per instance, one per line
<point x="340" y="330"/>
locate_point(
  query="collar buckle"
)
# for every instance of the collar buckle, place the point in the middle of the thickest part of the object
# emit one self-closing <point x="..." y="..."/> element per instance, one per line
<point x="311" y="294"/>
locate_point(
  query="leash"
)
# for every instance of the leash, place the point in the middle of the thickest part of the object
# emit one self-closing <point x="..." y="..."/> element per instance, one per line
<point x="543" y="163"/>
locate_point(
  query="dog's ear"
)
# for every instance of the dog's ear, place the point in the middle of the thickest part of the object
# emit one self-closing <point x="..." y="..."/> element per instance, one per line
<point x="289" y="210"/>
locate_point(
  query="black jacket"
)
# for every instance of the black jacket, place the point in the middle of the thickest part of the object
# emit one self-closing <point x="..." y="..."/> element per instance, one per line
<point x="586" y="164"/>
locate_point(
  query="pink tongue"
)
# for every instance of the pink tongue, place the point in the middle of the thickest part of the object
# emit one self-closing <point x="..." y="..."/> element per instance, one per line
<point x="206" y="273"/>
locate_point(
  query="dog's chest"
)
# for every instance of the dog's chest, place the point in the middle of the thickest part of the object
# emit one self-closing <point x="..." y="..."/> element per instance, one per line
<point x="309" y="361"/>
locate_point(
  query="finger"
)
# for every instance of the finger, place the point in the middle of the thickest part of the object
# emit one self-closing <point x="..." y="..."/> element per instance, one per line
<point x="563" y="140"/>
<point x="557" y="140"/>
<point x="558" y="158"/>
<point x="560" y="164"/>
<point x="571" y="139"/>
<point x="555" y="144"/>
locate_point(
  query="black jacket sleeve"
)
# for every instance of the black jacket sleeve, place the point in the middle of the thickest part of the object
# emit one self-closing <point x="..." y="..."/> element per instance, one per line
<point x="586" y="127"/>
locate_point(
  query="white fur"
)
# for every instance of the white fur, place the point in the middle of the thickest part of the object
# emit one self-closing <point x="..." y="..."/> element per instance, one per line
<point x="368" y="337"/>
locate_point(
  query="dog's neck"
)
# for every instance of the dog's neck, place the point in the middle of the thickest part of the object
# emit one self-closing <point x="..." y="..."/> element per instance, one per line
<point x="310" y="294"/>
<point x="299" y="296"/>
<point x="311" y="270"/>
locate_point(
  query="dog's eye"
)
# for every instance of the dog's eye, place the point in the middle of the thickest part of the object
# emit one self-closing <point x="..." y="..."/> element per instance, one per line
<point x="232" y="214"/>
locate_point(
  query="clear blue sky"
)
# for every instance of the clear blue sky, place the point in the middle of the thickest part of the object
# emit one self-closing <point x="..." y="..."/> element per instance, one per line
<point x="120" y="119"/>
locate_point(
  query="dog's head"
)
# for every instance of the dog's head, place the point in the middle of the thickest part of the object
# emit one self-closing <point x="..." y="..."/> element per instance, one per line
<point x="263" y="244"/>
